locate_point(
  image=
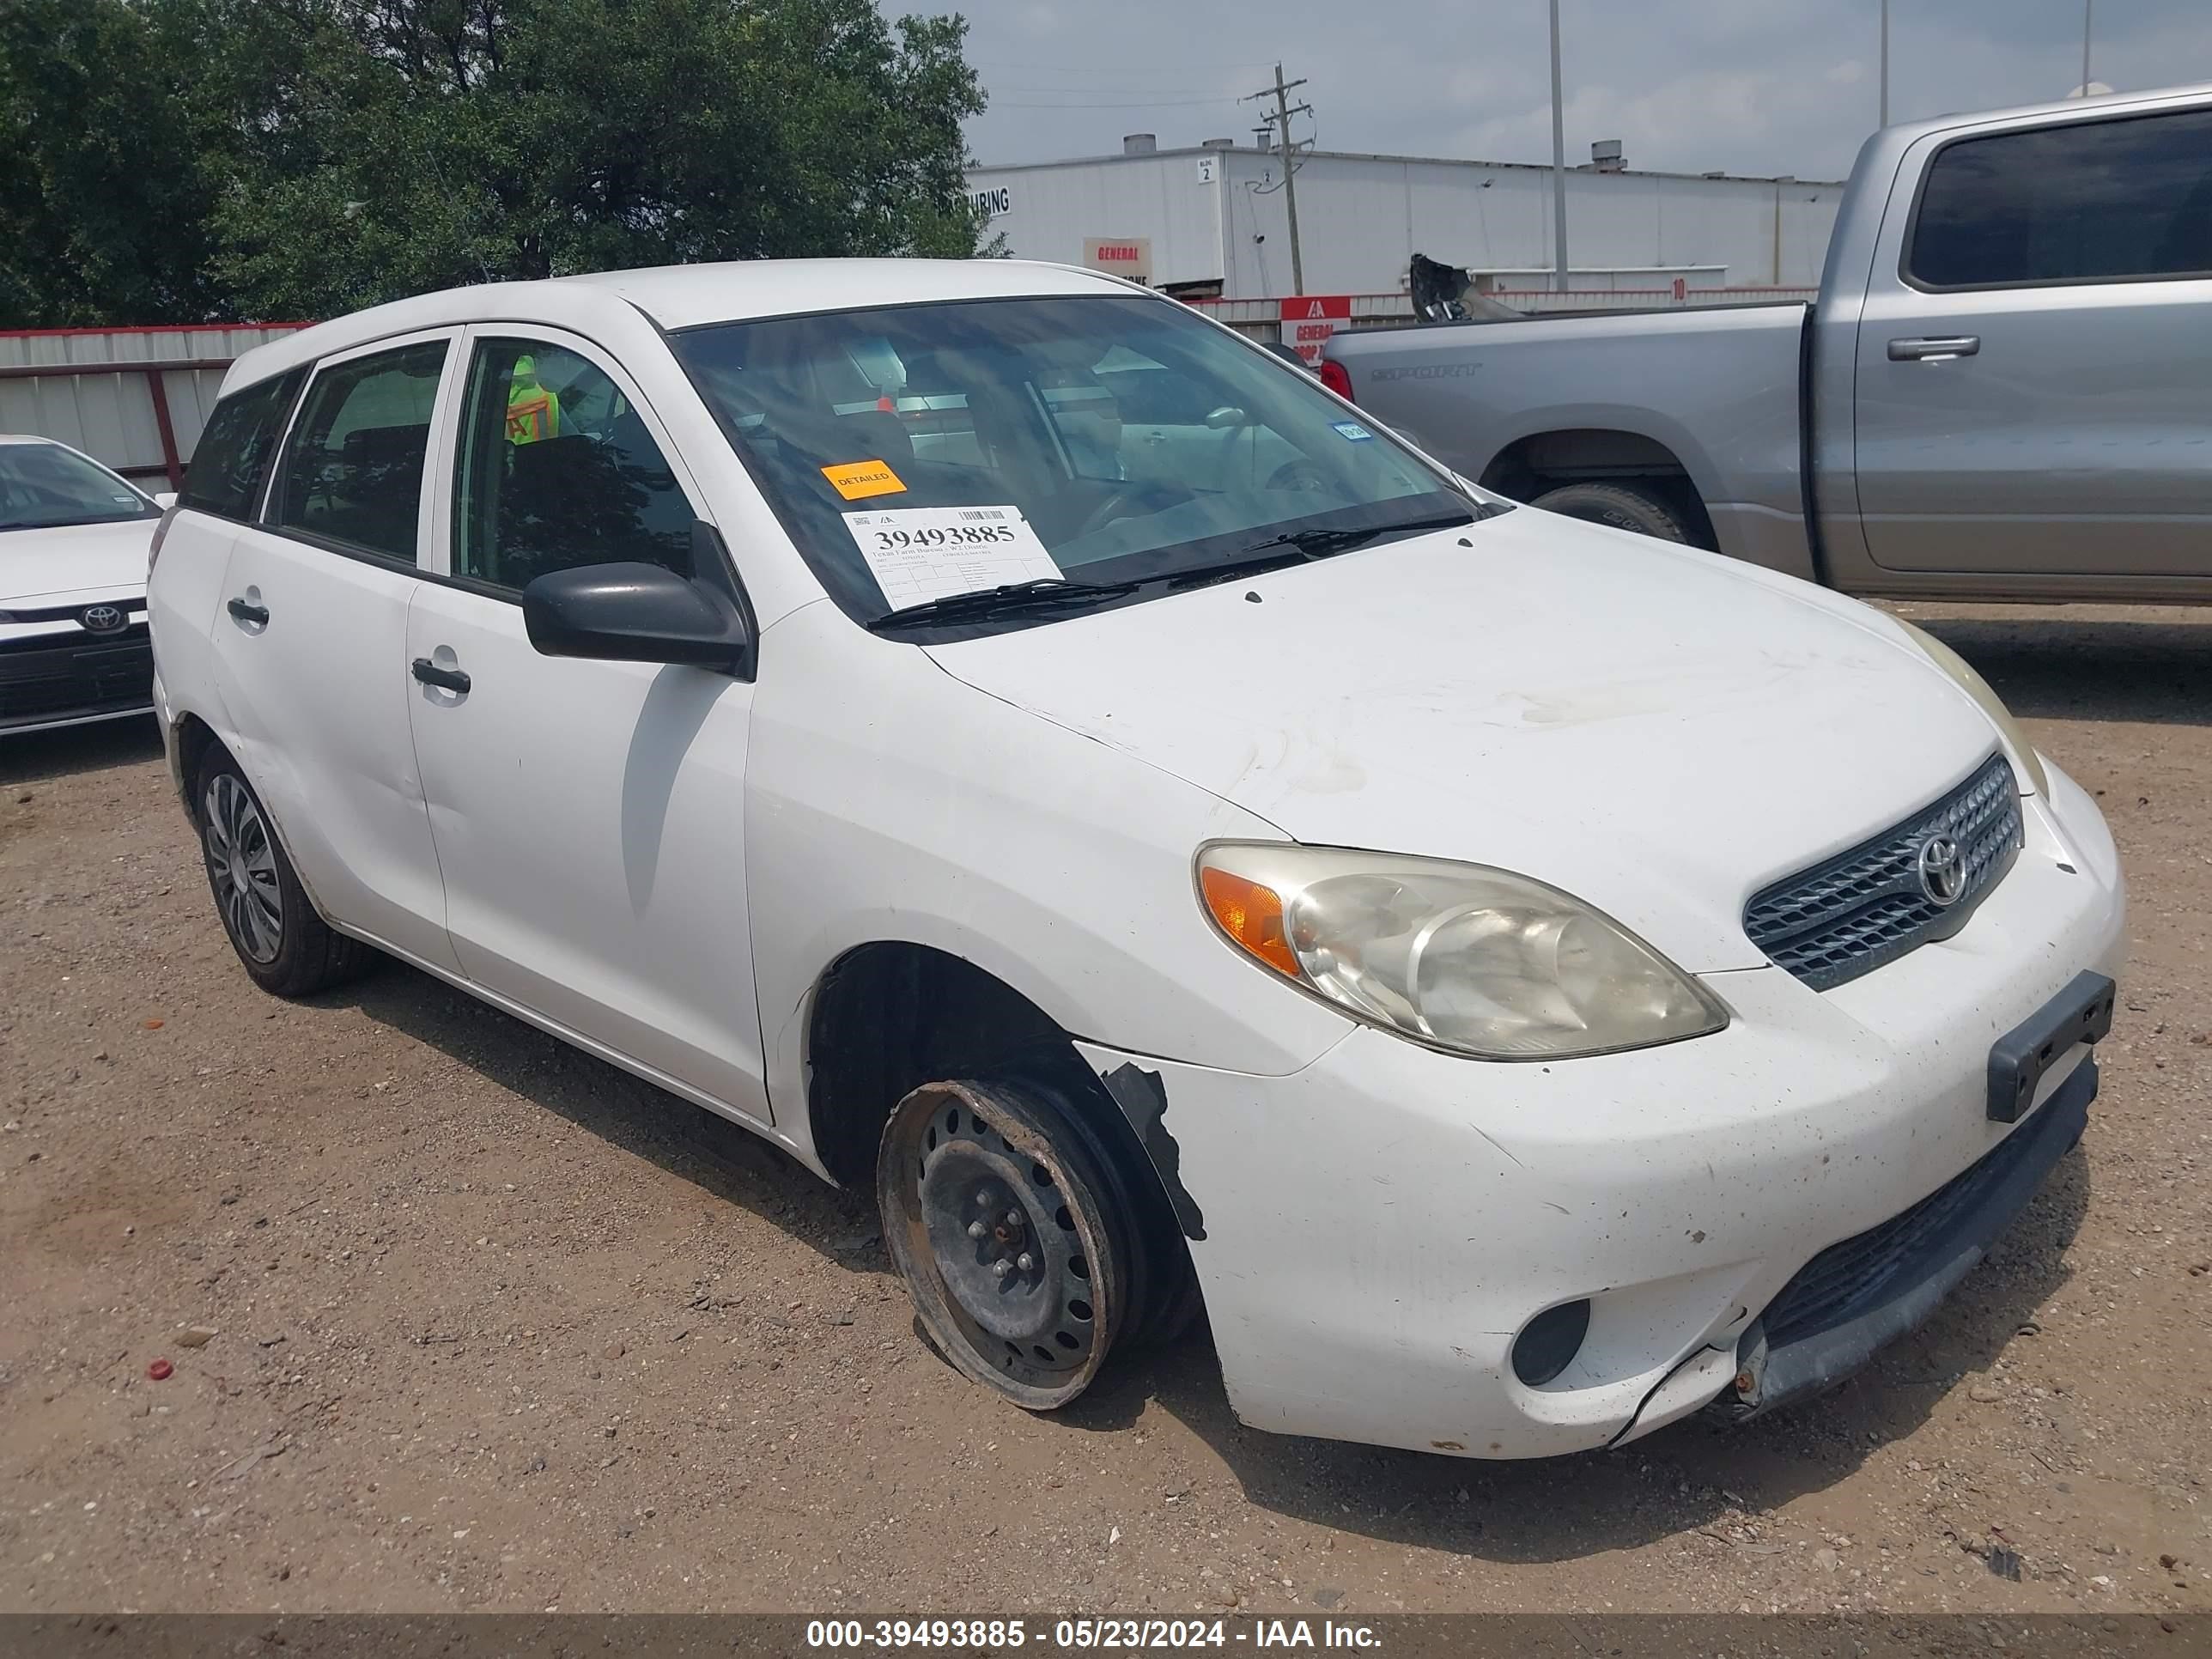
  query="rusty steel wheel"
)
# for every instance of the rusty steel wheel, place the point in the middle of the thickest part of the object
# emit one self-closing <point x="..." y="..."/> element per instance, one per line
<point x="1002" y="1211"/>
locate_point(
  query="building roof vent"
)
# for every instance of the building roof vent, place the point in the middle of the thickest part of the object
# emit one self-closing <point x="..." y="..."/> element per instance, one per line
<point x="1605" y="155"/>
<point x="1217" y="144"/>
<point x="1140" y="143"/>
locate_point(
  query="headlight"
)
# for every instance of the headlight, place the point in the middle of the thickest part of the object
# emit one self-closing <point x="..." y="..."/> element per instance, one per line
<point x="1458" y="956"/>
<point x="1962" y="671"/>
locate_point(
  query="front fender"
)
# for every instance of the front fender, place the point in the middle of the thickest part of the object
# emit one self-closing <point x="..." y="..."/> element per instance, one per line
<point x="886" y="800"/>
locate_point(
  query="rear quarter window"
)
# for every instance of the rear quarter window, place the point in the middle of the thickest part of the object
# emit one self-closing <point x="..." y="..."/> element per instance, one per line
<point x="232" y="459"/>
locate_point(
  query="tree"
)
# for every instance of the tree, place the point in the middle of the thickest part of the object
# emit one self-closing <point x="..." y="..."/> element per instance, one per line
<point x="385" y="147"/>
<point x="108" y="152"/>
<point x="176" y="160"/>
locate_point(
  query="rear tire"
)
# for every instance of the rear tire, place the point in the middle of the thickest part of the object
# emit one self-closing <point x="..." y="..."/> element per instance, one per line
<point x="283" y="945"/>
<point x="1623" y="507"/>
<point x="1070" y="1258"/>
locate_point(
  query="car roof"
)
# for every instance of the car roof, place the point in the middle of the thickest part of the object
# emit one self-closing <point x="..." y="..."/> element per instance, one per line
<point x="30" y="438"/>
<point x="685" y="296"/>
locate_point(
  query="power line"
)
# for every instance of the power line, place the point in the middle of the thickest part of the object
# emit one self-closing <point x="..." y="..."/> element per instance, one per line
<point x="1180" y="62"/>
<point x="1167" y="103"/>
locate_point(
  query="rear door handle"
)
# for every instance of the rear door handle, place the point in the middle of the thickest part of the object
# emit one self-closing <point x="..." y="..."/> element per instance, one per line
<point x="450" y="679"/>
<point x="1934" y="347"/>
<point x="256" y="614"/>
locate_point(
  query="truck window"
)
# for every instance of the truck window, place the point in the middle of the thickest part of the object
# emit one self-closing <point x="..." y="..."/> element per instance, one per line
<point x="2101" y="202"/>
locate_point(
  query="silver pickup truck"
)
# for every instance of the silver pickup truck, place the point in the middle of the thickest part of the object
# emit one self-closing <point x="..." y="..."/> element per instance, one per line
<point x="2004" y="390"/>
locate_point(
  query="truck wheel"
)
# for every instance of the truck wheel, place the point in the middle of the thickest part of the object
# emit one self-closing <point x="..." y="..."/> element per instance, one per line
<point x="1024" y="1245"/>
<point x="1625" y="507"/>
<point x="280" y="942"/>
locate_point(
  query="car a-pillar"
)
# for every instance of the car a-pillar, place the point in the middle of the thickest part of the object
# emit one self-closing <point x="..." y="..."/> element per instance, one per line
<point x="1018" y="1198"/>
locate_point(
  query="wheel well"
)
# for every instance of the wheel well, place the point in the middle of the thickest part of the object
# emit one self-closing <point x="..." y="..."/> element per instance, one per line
<point x="1544" y="461"/>
<point x="195" y="737"/>
<point x="891" y="1016"/>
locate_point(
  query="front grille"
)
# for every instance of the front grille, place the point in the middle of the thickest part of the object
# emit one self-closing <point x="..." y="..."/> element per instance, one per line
<point x="1866" y="1271"/>
<point x="1852" y="913"/>
<point x="41" y="680"/>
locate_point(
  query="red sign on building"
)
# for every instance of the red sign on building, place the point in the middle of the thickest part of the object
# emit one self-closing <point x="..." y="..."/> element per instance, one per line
<point x="1309" y="320"/>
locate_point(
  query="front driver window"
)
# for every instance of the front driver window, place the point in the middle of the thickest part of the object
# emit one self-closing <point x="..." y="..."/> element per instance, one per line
<point x="558" y="470"/>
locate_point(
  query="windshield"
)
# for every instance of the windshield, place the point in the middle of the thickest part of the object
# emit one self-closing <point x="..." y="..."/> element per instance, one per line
<point x="43" y="485"/>
<point x="922" y="453"/>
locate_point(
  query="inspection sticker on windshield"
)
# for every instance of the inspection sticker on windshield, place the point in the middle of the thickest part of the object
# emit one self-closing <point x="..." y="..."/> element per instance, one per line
<point x="858" y="480"/>
<point x="1351" y="430"/>
<point x="917" y="554"/>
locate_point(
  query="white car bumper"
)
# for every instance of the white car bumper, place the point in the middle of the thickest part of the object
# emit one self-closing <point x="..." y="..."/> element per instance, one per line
<point x="1374" y="1231"/>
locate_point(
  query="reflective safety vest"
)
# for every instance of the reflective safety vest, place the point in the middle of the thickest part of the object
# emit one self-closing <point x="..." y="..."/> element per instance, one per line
<point x="533" y="413"/>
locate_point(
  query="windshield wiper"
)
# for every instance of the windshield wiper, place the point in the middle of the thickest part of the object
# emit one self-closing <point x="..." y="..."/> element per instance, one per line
<point x="1006" y="599"/>
<point x="1298" y="546"/>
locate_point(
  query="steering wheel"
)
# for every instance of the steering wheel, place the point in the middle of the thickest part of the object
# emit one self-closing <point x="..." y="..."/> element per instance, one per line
<point x="1132" y="498"/>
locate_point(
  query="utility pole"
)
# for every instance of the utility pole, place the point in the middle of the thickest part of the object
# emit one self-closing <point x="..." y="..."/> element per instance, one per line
<point x="1885" y="62"/>
<point x="1559" y="165"/>
<point x="2088" y="11"/>
<point x="1280" y="92"/>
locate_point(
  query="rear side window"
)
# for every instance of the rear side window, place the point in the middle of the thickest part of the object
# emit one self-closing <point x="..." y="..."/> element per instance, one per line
<point x="232" y="456"/>
<point x="353" y="472"/>
<point x="2107" y="202"/>
<point x="558" y="470"/>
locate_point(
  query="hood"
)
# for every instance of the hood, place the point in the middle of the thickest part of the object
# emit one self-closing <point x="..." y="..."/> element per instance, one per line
<point x="80" y="561"/>
<point x="1658" y="731"/>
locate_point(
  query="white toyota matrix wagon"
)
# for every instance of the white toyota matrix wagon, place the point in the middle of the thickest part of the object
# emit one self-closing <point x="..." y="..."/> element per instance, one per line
<point x="1010" y="741"/>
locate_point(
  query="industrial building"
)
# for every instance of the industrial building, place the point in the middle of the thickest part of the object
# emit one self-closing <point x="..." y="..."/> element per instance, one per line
<point x="1212" y="221"/>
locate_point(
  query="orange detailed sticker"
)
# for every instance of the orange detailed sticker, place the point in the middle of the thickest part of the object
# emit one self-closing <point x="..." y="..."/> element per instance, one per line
<point x="858" y="480"/>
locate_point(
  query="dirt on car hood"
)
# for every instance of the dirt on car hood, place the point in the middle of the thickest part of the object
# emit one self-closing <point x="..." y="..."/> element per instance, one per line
<point x="1659" y="731"/>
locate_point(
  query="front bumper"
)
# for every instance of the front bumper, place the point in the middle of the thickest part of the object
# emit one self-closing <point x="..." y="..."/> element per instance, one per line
<point x="75" y="680"/>
<point x="1372" y="1233"/>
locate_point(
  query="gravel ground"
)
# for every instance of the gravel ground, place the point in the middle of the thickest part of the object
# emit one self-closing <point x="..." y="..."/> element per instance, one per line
<point x="497" y="1326"/>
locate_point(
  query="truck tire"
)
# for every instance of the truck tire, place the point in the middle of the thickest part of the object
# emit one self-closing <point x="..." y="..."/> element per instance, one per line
<point x="1625" y="507"/>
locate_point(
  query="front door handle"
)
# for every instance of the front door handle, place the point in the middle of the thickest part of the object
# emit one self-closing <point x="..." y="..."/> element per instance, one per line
<point x="1935" y="349"/>
<point x="450" y="679"/>
<point x="256" y="614"/>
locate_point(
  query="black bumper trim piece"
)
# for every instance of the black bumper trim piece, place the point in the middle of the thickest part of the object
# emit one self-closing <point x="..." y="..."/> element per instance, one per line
<point x="2082" y="1012"/>
<point x="1958" y="1236"/>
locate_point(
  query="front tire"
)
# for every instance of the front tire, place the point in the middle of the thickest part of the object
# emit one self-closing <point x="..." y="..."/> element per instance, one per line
<point x="283" y="944"/>
<point x="1019" y="1239"/>
<point x="1624" y="506"/>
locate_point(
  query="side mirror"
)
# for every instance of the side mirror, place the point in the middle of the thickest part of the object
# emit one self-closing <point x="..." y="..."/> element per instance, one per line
<point x="166" y="499"/>
<point x="1289" y="355"/>
<point x="638" y="613"/>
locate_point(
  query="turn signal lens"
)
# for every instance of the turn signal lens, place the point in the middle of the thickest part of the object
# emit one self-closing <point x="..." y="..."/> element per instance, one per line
<point x="1252" y="917"/>
<point x="1338" y="379"/>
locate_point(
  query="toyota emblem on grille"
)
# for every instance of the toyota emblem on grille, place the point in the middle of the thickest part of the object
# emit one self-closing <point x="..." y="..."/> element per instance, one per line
<point x="1942" y="871"/>
<point x="102" y="618"/>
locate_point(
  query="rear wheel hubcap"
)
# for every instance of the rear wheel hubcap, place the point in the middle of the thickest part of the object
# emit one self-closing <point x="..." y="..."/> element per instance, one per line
<point x="241" y="861"/>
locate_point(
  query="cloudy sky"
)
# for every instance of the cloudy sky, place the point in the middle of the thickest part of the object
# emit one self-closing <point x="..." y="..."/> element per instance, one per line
<point x="1754" y="86"/>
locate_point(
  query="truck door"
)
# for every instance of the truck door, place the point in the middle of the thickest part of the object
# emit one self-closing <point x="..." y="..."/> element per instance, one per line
<point x="2034" y="361"/>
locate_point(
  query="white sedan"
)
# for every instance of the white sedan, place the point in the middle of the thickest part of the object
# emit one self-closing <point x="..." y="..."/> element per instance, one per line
<point x="1524" y="981"/>
<point x="73" y="549"/>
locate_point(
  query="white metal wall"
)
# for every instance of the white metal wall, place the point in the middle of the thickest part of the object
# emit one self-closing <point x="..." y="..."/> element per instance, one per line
<point x="1053" y="209"/>
<point x="111" y="417"/>
<point x="1362" y="217"/>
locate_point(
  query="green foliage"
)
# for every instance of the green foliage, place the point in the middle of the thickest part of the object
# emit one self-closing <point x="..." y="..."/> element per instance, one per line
<point x="331" y="154"/>
<point x="105" y="154"/>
